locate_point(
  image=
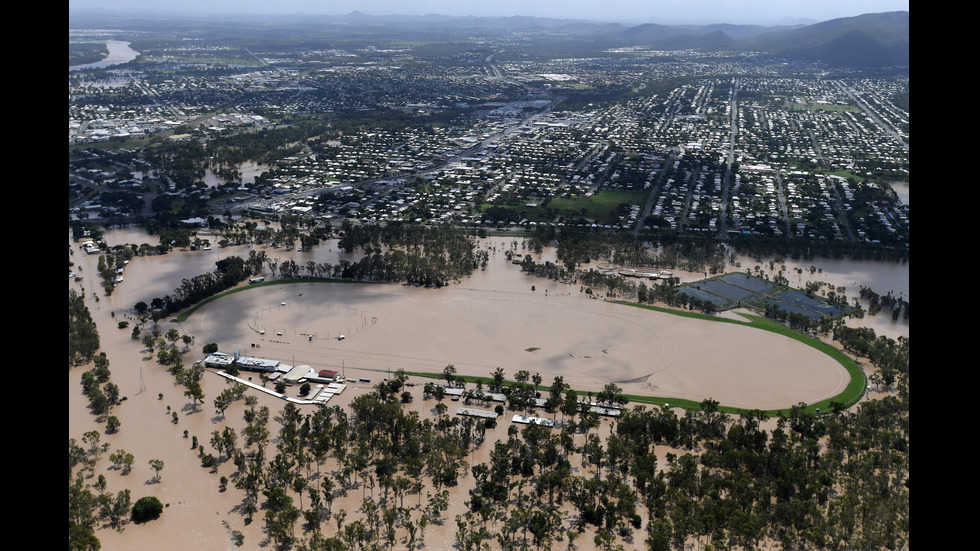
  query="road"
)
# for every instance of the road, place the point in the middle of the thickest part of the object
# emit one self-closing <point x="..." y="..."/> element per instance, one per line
<point x="782" y="202"/>
<point x="727" y="180"/>
<point x="655" y="191"/>
<point x="887" y="129"/>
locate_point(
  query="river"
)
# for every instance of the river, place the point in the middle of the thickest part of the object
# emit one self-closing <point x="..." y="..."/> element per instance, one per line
<point x="119" y="52"/>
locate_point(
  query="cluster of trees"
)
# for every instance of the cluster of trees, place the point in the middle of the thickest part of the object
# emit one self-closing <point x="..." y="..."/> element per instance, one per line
<point x="147" y="508"/>
<point x="889" y="356"/>
<point x="802" y="483"/>
<point x="85" y="230"/>
<point x="577" y="246"/>
<point x="83" y="336"/>
<point x="522" y="394"/>
<point x="230" y="272"/>
<point x="812" y="480"/>
<point x="545" y="269"/>
<point x="667" y="292"/>
<point x="265" y="146"/>
<point x="229" y="396"/>
<point x="797" y="249"/>
<point x="582" y="247"/>
<point x="107" y="271"/>
<point x="179" y="162"/>
<point x="796" y="320"/>
<point x="79" y="54"/>
<point x="418" y="254"/>
<point x="101" y="398"/>
<point x="613" y="285"/>
<point x="91" y="504"/>
<point x="85" y="506"/>
<point x="395" y="252"/>
<point x="82" y="519"/>
<point x="171" y="237"/>
<point x="172" y="355"/>
<point x="899" y="307"/>
<point x="683" y="300"/>
<point x="287" y="234"/>
<point x="386" y="453"/>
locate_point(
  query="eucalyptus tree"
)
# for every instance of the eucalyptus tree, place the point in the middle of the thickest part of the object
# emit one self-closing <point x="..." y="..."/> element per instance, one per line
<point x="157" y="466"/>
<point x="498" y="380"/>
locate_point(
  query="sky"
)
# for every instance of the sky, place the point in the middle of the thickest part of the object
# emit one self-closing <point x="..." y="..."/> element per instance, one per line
<point x="622" y="11"/>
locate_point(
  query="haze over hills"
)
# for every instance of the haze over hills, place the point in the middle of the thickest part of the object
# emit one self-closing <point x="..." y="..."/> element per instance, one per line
<point x="869" y="40"/>
<point x="874" y="39"/>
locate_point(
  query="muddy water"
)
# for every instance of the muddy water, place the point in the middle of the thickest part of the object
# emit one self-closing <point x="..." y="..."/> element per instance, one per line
<point x="248" y="170"/>
<point x="159" y="275"/>
<point x="493" y="317"/>
<point x="850" y="275"/>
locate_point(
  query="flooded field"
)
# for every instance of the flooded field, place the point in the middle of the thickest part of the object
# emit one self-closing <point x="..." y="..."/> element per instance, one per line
<point x="488" y="320"/>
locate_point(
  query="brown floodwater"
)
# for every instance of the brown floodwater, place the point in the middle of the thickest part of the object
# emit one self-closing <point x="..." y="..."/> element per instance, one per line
<point x="489" y="319"/>
<point x="159" y="275"/>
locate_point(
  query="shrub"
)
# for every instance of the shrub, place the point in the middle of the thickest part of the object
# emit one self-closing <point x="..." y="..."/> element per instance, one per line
<point x="208" y="460"/>
<point x="147" y="508"/>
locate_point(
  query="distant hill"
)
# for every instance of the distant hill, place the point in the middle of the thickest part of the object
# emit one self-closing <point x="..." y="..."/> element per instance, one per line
<point x="742" y="32"/>
<point x="870" y="40"/>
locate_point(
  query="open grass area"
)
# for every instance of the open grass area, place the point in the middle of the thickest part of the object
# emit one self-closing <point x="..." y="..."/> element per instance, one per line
<point x="837" y="108"/>
<point x="815" y="107"/>
<point x="846" y="174"/>
<point x="596" y="207"/>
